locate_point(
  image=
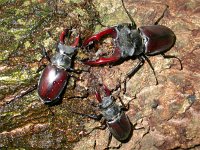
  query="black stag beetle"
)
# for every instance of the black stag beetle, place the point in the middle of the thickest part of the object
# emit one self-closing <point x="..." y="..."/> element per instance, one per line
<point x="54" y="77"/>
<point x="112" y="116"/>
<point x="132" y="42"/>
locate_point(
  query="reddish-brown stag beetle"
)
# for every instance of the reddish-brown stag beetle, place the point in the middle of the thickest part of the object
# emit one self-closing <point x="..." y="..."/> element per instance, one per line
<point x="55" y="75"/>
<point x="114" y="117"/>
<point x="130" y="41"/>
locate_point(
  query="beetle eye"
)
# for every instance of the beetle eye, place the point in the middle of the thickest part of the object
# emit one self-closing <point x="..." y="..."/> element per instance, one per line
<point x="100" y="106"/>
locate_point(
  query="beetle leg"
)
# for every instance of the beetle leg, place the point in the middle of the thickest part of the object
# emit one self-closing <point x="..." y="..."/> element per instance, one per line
<point x="171" y="56"/>
<point x="94" y="146"/>
<point x="92" y="116"/>
<point x="109" y="141"/>
<point x="115" y="57"/>
<point x="78" y="71"/>
<point x="23" y="93"/>
<point x="45" y="54"/>
<point x="133" y="71"/>
<point x="40" y="68"/>
<point x="149" y="62"/>
<point x="158" y="20"/>
<point x="101" y="127"/>
<point x="95" y="117"/>
<point x="52" y="113"/>
<point x="97" y="37"/>
<point x="78" y="97"/>
<point x="73" y="76"/>
<point x="125" y="107"/>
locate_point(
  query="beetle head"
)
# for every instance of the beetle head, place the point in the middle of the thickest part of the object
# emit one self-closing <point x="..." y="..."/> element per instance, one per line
<point x="128" y="40"/>
<point x="107" y="100"/>
<point x="63" y="57"/>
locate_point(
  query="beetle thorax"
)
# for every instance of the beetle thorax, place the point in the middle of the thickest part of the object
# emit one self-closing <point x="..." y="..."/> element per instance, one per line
<point x="109" y="109"/>
<point x="63" y="57"/>
<point x="129" y="41"/>
<point x="106" y="102"/>
<point x="65" y="49"/>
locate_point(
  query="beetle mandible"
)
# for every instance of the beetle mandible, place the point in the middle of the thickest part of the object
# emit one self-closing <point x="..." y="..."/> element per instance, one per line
<point x="130" y="42"/>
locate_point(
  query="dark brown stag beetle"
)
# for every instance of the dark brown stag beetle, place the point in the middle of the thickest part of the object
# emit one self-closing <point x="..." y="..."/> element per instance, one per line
<point x="54" y="77"/>
<point x="113" y="117"/>
<point x="132" y="42"/>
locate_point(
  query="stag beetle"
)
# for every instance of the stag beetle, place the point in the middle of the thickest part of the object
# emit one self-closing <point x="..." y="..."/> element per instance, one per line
<point x="55" y="75"/>
<point x="130" y="41"/>
<point x="113" y="115"/>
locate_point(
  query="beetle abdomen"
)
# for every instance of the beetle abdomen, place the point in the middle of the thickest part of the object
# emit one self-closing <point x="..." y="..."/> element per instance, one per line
<point x="51" y="83"/>
<point x="120" y="127"/>
<point x="157" y="39"/>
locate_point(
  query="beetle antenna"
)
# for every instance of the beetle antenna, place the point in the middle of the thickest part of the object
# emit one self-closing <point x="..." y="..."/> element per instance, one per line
<point x="130" y="17"/>
<point x="158" y="20"/>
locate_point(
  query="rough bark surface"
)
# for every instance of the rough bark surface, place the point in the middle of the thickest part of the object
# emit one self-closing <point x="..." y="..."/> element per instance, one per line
<point x="165" y="116"/>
